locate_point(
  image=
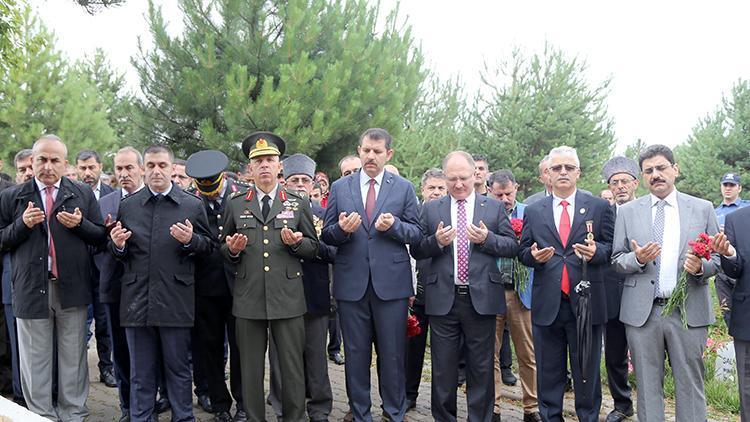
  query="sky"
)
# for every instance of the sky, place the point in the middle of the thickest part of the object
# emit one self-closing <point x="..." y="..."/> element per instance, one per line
<point x="670" y="62"/>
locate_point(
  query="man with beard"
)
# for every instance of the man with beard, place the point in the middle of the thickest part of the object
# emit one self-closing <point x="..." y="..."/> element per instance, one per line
<point x="621" y="174"/>
<point x="89" y="168"/>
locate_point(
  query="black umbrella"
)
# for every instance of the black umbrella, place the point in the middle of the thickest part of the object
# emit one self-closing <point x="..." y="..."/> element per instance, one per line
<point x="583" y="321"/>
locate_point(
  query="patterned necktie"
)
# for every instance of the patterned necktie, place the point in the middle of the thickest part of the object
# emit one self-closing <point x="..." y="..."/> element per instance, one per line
<point x="462" y="243"/>
<point x="49" y="203"/>
<point x="370" y="203"/>
<point x="266" y="208"/>
<point x="658" y="233"/>
<point x="564" y="231"/>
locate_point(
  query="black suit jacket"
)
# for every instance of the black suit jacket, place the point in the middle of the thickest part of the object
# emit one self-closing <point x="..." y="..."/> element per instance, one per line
<point x="316" y="273"/>
<point x="29" y="247"/>
<point x="159" y="274"/>
<point x="110" y="269"/>
<point x="737" y="230"/>
<point x="613" y="284"/>
<point x="539" y="226"/>
<point x="485" y="278"/>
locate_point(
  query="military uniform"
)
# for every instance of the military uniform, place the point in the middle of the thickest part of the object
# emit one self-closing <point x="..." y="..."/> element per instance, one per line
<point x="268" y="290"/>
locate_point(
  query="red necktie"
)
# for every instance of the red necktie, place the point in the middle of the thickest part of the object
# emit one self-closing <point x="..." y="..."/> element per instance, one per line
<point x="564" y="231"/>
<point x="370" y="203"/>
<point x="49" y="204"/>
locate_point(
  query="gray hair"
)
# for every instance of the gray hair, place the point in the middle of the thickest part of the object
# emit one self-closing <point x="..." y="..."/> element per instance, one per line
<point x="138" y="156"/>
<point x="50" y="137"/>
<point x="565" y="151"/>
<point x="463" y="154"/>
<point x="22" y="155"/>
<point x="433" y="173"/>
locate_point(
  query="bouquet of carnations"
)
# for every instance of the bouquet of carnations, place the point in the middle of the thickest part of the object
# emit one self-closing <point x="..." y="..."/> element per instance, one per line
<point x="520" y="271"/>
<point x="702" y="248"/>
<point x="412" y="325"/>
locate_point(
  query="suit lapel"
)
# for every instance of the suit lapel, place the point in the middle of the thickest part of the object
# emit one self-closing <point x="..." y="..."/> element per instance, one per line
<point x="582" y="204"/>
<point x="276" y="206"/>
<point x="356" y="190"/>
<point x="445" y="215"/>
<point x="63" y="195"/>
<point x="685" y="209"/>
<point x="385" y="188"/>
<point x="479" y="210"/>
<point x="548" y="214"/>
<point x="253" y="204"/>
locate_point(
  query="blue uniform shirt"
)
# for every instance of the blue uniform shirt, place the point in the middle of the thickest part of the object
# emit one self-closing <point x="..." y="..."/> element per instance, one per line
<point x="725" y="209"/>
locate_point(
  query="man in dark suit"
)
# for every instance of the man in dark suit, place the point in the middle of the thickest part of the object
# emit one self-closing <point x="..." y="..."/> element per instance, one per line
<point x="621" y="174"/>
<point x="371" y="216"/>
<point x="157" y="303"/>
<point x="734" y="247"/>
<point x="464" y="234"/>
<point x="269" y="231"/>
<point x="299" y="171"/>
<point x="432" y="187"/>
<point x="129" y="173"/>
<point x="52" y="219"/>
<point x="214" y="281"/>
<point x="554" y="241"/>
<point x="89" y="168"/>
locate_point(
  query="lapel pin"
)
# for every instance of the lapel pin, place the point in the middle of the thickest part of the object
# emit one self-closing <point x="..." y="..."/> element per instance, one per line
<point x="582" y="211"/>
<point x="590" y="229"/>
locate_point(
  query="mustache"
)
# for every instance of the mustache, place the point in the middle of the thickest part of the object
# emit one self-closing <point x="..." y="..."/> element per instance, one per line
<point x="657" y="180"/>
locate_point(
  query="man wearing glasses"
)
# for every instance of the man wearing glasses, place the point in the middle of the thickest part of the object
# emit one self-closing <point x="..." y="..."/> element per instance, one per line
<point x="653" y="256"/>
<point x="560" y="231"/>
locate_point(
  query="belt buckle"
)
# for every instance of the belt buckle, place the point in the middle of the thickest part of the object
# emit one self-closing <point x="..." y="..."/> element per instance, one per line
<point x="462" y="289"/>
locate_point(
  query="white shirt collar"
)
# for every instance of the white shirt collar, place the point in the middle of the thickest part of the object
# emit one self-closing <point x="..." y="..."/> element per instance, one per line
<point x="42" y="186"/>
<point x="570" y="199"/>
<point x="98" y="186"/>
<point x="364" y="179"/>
<point x="125" y="193"/>
<point x="671" y="199"/>
<point x="165" y="193"/>
<point x="272" y="194"/>
<point x="469" y="199"/>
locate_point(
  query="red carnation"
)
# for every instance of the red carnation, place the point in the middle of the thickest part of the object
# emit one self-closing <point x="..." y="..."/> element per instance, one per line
<point x="517" y="225"/>
<point x="412" y="326"/>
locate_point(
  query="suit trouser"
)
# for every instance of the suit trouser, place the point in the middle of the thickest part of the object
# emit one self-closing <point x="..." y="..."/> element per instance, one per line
<point x="12" y="325"/>
<point x="213" y="317"/>
<point x="552" y="343"/>
<point x="383" y="322"/>
<point x="649" y="344"/>
<point x="334" y="333"/>
<point x="120" y="354"/>
<point x="478" y="332"/>
<point x="519" y="322"/>
<point x="724" y="288"/>
<point x="35" y="347"/>
<point x="144" y="343"/>
<point x="317" y="383"/>
<point x="252" y="338"/>
<point x="415" y="348"/>
<point x="101" y="329"/>
<point x="616" y="362"/>
<point x="6" y="359"/>
<point x="742" y="353"/>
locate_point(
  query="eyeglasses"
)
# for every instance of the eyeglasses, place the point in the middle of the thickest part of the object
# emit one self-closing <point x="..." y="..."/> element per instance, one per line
<point x="618" y="182"/>
<point x="660" y="168"/>
<point x="558" y="168"/>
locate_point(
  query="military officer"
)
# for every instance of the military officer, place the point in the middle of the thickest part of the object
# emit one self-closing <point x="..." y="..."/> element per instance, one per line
<point x="213" y="287"/>
<point x="268" y="232"/>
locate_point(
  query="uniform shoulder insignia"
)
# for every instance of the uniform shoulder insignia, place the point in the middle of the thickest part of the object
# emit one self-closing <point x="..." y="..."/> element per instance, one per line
<point x="237" y="193"/>
<point x="193" y="191"/>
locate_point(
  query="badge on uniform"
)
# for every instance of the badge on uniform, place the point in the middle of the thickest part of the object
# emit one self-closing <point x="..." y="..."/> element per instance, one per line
<point x="286" y="214"/>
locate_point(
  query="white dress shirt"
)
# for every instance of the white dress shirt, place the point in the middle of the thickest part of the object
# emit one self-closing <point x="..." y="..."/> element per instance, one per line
<point x="670" y="245"/>
<point x="364" y="184"/>
<point x="124" y="193"/>
<point x="165" y="193"/>
<point x="98" y="190"/>
<point x="469" y="207"/>
<point x="271" y="194"/>
<point x="557" y="208"/>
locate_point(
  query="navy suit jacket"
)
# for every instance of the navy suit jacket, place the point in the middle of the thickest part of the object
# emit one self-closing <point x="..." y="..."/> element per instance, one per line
<point x="738" y="233"/>
<point x="539" y="226"/>
<point x="485" y="279"/>
<point x="316" y="274"/>
<point x="110" y="269"/>
<point x="613" y="285"/>
<point x="367" y="253"/>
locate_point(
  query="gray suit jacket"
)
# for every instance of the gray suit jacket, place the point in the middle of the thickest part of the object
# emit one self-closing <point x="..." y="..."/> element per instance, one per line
<point x="634" y="222"/>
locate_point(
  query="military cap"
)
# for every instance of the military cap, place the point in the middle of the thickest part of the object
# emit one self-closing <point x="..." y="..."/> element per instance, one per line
<point x="299" y="164"/>
<point x="263" y="143"/>
<point x="207" y="167"/>
<point x="731" y="178"/>
<point x="619" y="164"/>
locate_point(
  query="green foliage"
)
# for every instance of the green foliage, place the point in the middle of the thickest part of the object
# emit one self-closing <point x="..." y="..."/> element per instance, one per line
<point x="317" y="72"/>
<point x="42" y="94"/>
<point x="10" y="23"/>
<point x="534" y="104"/>
<point x="433" y="129"/>
<point x="719" y="144"/>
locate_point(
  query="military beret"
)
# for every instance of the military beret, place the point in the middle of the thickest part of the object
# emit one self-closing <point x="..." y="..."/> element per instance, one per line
<point x="207" y="167"/>
<point x="620" y="164"/>
<point x="299" y="164"/>
<point x="263" y="143"/>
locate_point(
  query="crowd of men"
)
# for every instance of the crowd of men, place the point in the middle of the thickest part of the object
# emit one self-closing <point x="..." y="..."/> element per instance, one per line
<point x="185" y="267"/>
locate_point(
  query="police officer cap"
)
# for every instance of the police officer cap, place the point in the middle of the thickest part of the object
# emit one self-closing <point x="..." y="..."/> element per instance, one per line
<point x="731" y="178"/>
<point x="299" y="164"/>
<point x="207" y="167"/>
<point x="619" y="164"/>
<point x="263" y="143"/>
